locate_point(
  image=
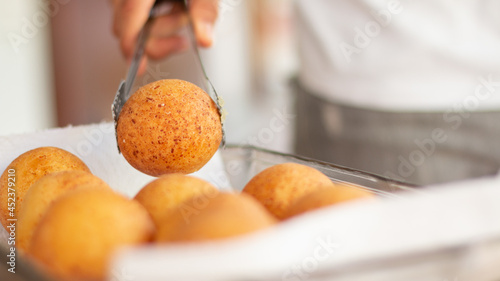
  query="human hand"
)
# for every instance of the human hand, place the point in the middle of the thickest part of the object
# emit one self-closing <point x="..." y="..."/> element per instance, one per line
<point x="164" y="40"/>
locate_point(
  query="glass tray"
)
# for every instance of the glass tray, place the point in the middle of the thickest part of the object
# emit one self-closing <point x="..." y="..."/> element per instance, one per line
<point x="241" y="164"/>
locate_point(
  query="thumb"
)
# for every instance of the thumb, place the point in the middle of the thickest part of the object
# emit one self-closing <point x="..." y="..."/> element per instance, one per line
<point x="130" y="16"/>
<point x="204" y="13"/>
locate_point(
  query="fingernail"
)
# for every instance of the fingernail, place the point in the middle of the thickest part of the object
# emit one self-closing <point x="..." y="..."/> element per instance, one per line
<point x="208" y="30"/>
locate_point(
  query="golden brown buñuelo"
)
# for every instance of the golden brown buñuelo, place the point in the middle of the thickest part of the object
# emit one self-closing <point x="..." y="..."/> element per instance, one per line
<point x="169" y="126"/>
<point x="28" y="168"/>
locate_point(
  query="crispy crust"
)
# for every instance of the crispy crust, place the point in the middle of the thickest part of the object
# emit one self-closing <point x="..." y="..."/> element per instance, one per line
<point x="277" y="187"/>
<point x="169" y="126"/>
<point x="29" y="167"/>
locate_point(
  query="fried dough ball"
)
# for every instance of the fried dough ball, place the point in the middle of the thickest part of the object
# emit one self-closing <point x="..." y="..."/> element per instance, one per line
<point x="167" y="192"/>
<point x="222" y="216"/>
<point x="278" y="186"/>
<point x="28" y="168"/>
<point x="323" y="197"/>
<point x="43" y="193"/>
<point x="169" y="126"/>
<point x="81" y="230"/>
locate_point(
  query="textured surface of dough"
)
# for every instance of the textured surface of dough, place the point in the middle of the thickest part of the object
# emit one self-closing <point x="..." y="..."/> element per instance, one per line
<point x="203" y="218"/>
<point x="323" y="197"/>
<point x="82" y="230"/>
<point x="43" y="193"/>
<point x="29" y="167"/>
<point x="169" y="126"/>
<point x="280" y="185"/>
<point x="168" y="191"/>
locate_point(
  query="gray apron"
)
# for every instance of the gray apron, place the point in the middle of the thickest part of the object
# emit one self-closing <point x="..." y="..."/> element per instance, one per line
<point x="419" y="148"/>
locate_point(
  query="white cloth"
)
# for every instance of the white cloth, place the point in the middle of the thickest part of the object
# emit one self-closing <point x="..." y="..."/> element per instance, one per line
<point x="402" y="55"/>
<point x="95" y="145"/>
<point x="447" y="232"/>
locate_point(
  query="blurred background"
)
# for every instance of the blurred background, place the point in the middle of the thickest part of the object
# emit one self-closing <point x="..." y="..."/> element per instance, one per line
<point x="61" y="65"/>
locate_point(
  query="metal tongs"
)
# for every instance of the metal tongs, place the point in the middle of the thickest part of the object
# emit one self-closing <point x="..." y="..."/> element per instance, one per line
<point x="124" y="90"/>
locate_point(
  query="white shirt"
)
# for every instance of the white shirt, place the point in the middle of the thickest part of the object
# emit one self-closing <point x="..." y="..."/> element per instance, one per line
<point x="402" y="55"/>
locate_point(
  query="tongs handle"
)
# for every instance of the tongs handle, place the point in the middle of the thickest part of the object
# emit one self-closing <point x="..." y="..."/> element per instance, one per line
<point x="159" y="2"/>
<point x="208" y="84"/>
<point x="141" y="41"/>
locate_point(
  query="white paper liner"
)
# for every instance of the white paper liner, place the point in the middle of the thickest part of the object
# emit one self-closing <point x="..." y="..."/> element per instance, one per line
<point x="96" y="146"/>
<point x="447" y="232"/>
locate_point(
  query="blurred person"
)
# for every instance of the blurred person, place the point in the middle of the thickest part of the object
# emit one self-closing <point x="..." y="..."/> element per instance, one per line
<point x="408" y="90"/>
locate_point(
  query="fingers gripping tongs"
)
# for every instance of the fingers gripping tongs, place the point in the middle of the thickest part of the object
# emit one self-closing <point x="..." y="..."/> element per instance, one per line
<point x="124" y="90"/>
